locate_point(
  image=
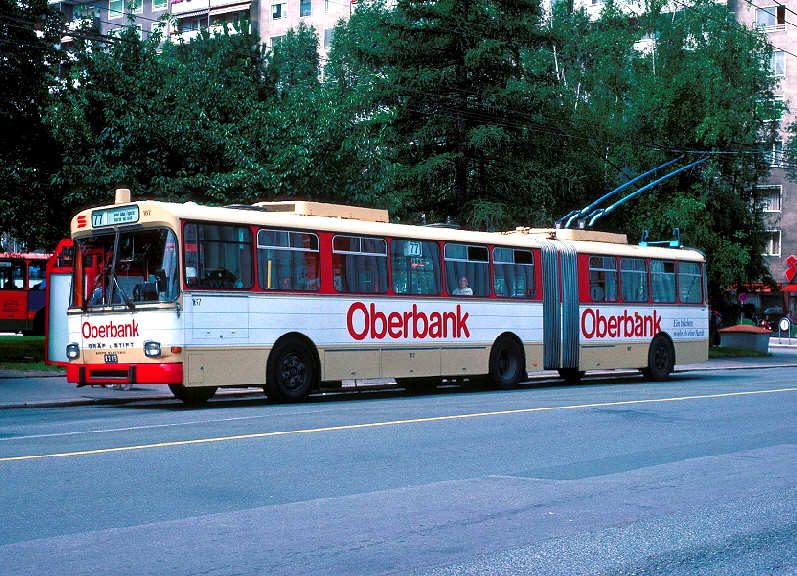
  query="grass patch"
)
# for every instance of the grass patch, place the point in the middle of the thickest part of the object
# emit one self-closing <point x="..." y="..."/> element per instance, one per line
<point x="23" y="353"/>
<point x="717" y="352"/>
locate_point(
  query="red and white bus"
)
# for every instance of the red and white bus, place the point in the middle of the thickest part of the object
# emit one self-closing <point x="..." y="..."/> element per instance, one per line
<point x="22" y="292"/>
<point x="291" y="296"/>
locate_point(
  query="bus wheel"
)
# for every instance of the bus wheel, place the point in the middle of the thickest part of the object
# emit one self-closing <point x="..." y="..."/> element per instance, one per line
<point x="571" y="375"/>
<point x="192" y="396"/>
<point x="507" y="366"/>
<point x="661" y="359"/>
<point x="291" y="373"/>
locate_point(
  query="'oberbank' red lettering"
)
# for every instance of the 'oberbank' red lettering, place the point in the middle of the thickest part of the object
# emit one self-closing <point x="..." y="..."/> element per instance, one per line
<point x="625" y="325"/>
<point x="110" y="330"/>
<point x="366" y="321"/>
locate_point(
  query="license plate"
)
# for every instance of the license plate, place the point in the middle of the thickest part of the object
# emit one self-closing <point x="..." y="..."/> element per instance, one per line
<point x="111" y="359"/>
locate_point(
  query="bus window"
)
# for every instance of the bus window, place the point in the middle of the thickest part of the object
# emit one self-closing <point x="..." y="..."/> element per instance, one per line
<point x="513" y="273"/>
<point x="662" y="281"/>
<point x="287" y="260"/>
<point x="634" y="279"/>
<point x="36" y="275"/>
<point x="415" y="265"/>
<point x="468" y="263"/>
<point x="359" y="265"/>
<point x="603" y="278"/>
<point x="12" y="274"/>
<point x="143" y="269"/>
<point x="690" y="283"/>
<point x="218" y="257"/>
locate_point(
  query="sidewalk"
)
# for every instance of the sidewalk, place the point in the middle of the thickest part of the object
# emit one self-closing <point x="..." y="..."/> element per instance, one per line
<point x="48" y="389"/>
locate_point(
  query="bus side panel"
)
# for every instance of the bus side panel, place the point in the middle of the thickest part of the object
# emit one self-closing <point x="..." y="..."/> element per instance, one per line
<point x="238" y="366"/>
<point x="610" y="356"/>
<point x="691" y="352"/>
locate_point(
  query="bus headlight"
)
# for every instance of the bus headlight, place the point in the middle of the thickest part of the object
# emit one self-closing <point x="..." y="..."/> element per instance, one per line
<point x="152" y="349"/>
<point x="72" y="350"/>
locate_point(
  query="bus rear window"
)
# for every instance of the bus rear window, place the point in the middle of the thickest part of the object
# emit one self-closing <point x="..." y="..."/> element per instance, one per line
<point x="690" y="283"/>
<point x="359" y="265"/>
<point x="218" y="257"/>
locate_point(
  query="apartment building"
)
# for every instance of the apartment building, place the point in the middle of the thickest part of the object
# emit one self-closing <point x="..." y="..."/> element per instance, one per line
<point x="270" y="19"/>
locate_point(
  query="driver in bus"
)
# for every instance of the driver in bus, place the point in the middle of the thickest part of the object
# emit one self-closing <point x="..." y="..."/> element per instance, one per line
<point x="464" y="289"/>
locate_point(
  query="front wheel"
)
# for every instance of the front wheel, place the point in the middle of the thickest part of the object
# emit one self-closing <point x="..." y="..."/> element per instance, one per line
<point x="292" y="372"/>
<point x="193" y="396"/>
<point x="661" y="359"/>
<point x="507" y="364"/>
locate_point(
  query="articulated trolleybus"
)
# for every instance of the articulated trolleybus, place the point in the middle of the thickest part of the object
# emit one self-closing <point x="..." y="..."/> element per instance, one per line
<point x="293" y="296"/>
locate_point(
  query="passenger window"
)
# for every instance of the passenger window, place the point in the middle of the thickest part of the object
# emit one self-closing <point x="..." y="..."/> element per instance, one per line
<point x="218" y="257"/>
<point x="634" y="280"/>
<point x="12" y="274"/>
<point x="513" y="273"/>
<point x="467" y="270"/>
<point x="288" y="260"/>
<point x="662" y="281"/>
<point x="690" y="283"/>
<point x="603" y="279"/>
<point x="415" y="266"/>
<point x="359" y="265"/>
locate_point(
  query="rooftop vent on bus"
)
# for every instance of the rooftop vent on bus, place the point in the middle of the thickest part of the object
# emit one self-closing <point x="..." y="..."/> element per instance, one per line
<point x="122" y="196"/>
<point x="303" y="208"/>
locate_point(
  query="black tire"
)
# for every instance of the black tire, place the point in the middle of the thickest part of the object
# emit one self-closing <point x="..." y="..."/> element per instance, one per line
<point x="292" y="372"/>
<point x="193" y="396"/>
<point x="661" y="359"/>
<point x="507" y="364"/>
<point x="571" y="375"/>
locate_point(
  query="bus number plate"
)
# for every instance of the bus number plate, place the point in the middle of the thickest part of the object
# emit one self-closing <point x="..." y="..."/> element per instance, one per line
<point x="111" y="359"/>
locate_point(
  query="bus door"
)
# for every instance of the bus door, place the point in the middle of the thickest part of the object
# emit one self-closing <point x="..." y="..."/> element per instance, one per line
<point x="559" y="305"/>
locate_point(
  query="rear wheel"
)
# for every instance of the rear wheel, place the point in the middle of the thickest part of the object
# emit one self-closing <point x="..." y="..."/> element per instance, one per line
<point x="193" y="395"/>
<point x="661" y="359"/>
<point x="507" y="364"/>
<point x="292" y="372"/>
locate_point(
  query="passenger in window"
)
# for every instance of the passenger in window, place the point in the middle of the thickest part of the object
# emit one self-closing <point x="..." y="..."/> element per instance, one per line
<point x="464" y="289"/>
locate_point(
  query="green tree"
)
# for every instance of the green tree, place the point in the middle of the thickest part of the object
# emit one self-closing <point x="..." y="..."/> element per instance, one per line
<point x="29" y="31"/>
<point x="702" y="88"/>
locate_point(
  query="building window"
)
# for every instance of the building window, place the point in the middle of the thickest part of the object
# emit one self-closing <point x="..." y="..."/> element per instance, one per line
<point x="159" y="5"/>
<point x="771" y="110"/>
<point x="116" y="9"/>
<point x="192" y="24"/>
<point x="305" y="7"/>
<point x="769" y="198"/>
<point x="333" y="6"/>
<point x="279" y="11"/>
<point x="772" y="243"/>
<point x="772" y="18"/>
<point x="327" y="37"/>
<point x="275" y="40"/>
<point x="777" y="64"/>
<point x="136" y="6"/>
<point x="771" y="154"/>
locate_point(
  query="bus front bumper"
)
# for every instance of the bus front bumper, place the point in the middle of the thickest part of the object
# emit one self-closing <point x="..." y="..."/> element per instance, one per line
<point x="85" y="374"/>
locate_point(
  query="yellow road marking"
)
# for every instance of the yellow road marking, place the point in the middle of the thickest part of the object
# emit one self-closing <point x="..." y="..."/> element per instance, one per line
<point x="392" y="423"/>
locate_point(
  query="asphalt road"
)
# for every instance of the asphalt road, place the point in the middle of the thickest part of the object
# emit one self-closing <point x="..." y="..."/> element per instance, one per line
<point x="695" y="476"/>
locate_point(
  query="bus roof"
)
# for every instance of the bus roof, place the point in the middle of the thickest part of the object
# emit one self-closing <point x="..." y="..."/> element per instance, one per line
<point x="352" y="220"/>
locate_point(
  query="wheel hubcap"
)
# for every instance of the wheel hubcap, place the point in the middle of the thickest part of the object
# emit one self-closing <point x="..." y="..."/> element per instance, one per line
<point x="293" y="372"/>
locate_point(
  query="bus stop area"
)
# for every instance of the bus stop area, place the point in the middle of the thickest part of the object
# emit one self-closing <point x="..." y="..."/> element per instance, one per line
<point x="50" y="389"/>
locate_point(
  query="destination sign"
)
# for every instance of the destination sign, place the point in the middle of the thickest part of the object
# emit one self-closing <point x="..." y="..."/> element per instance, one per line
<point x="114" y="216"/>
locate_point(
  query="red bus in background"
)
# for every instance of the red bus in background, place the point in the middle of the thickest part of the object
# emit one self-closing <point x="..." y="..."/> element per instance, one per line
<point x="22" y="292"/>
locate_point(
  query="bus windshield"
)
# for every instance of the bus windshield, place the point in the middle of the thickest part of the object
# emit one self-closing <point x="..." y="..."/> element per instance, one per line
<point x="126" y="268"/>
